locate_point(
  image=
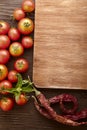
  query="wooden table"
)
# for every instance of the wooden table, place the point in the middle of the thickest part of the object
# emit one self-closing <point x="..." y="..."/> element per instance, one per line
<point x="26" y="117"/>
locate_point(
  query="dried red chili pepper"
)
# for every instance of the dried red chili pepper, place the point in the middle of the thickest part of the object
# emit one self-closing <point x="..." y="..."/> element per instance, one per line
<point x="45" y="103"/>
<point x="65" y="98"/>
<point x="72" y="114"/>
<point x="77" y="116"/>
<point x="41" y="109"/>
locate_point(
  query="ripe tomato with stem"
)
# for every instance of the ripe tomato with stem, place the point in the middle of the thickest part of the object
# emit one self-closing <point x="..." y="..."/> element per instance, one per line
<point x="16" y="49"/>
<point x="3" y="72"/>
<point x="5" y="84"/>
<point x="14" y="34"/>
<point x="4" y="27"/>
<point x="4" y="56"/>
<point x="4" y="41"/>
<point x="6" y="104"/>
<point x="27" y="42"/>
<point x="21" y="65"/>
<point x="25" y="26"/>
<point x="12" y="76"/>
<point x="22" y="100"/>
<point x="18" y="14"/>
<point x="28" y="5"/>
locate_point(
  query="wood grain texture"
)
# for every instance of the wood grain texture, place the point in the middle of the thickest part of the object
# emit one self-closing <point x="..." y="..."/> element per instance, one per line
<point x="26" y="117"/>
<point x="60" y="51"/>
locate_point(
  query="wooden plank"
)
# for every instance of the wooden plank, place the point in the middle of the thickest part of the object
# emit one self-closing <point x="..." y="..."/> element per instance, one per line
<point x="60" y="49"/>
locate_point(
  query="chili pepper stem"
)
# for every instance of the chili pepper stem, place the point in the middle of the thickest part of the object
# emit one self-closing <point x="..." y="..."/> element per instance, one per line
<point x="36" y="91"/>
<point x="34" y="98"/>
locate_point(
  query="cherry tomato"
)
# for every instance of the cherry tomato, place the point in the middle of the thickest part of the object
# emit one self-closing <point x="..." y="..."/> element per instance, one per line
<point x="5" y="84"/>
<point x="4" y="41"/>
<point x="6" y="104"/>
<point x="22" y="100"/>
<point x="28" y="5"/>
<point x="19" y="14"/>
<point x="4" y="56"/>
<point x="16" y="49"/>
<point x="25" y="26"/>
<point x="21" y="65"/>
<point x="27" y="42"/>
<point x="3" y="72"/>
<point x="4" y="27"/>
<point x="14" y="34"/>
<point x="12" y="76"/>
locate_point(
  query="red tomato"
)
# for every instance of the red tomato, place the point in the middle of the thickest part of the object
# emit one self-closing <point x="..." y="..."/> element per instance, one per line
<point x="27" y="42"/>
<point x="4" y="56"/>
<point x="22" y="100"/>
<point x="25" y="26"/>
<point x="4" y="41"/>
<point x="28" y="5"/>
<point x="6" y="104"/>
<point x="21" y="65"/>
<point x="3" y="72"/>
<point x="19" y="14"/>
<point x="5" y="84"/>
<point x="4" y="27"/>
<point x="16" y="49"/>
<point x="12" y="76"/>
<point x="14" y="34"/>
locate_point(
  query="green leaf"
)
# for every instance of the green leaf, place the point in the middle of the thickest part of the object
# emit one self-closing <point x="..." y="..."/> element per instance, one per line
<point x="19" y="83"/>
<point x="17" y="95"/>
<point x="27" y="89"/>
<point x="25" y="82"/>
<point x="12" y="90"/>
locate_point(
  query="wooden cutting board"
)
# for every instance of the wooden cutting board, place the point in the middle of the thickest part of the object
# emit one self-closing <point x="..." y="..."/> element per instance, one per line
<point x="60" y="47"/>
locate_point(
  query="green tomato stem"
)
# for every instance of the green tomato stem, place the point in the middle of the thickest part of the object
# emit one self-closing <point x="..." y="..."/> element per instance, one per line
<point x="22" y="86"/>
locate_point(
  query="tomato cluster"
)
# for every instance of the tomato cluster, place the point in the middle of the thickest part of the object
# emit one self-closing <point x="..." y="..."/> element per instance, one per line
<point x="11" y="47"/>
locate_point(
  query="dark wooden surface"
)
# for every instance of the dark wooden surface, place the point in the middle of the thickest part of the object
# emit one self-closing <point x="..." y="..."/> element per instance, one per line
<point x="26" y="117"/>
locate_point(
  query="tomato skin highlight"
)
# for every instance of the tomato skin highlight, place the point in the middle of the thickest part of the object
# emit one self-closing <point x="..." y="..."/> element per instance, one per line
<point x="22" y="100"/>
<point x="28" y="5"/>
<point x="16" y="49"/>
<point x="3" y="72"/>
<point x="21" y="65"/>
<point x="6" y="104"/>
<point x="27" y="42"/>
<point x="18" y="14"/>
<point x="4" y="56"/>
<point x="4" y="27"/>
<point x="5" y="84"/>
<point x="4" y="41"/>
<point x="25" y="26"/>
<point x="14" y="34"/>
<point x="12" y="76"/>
